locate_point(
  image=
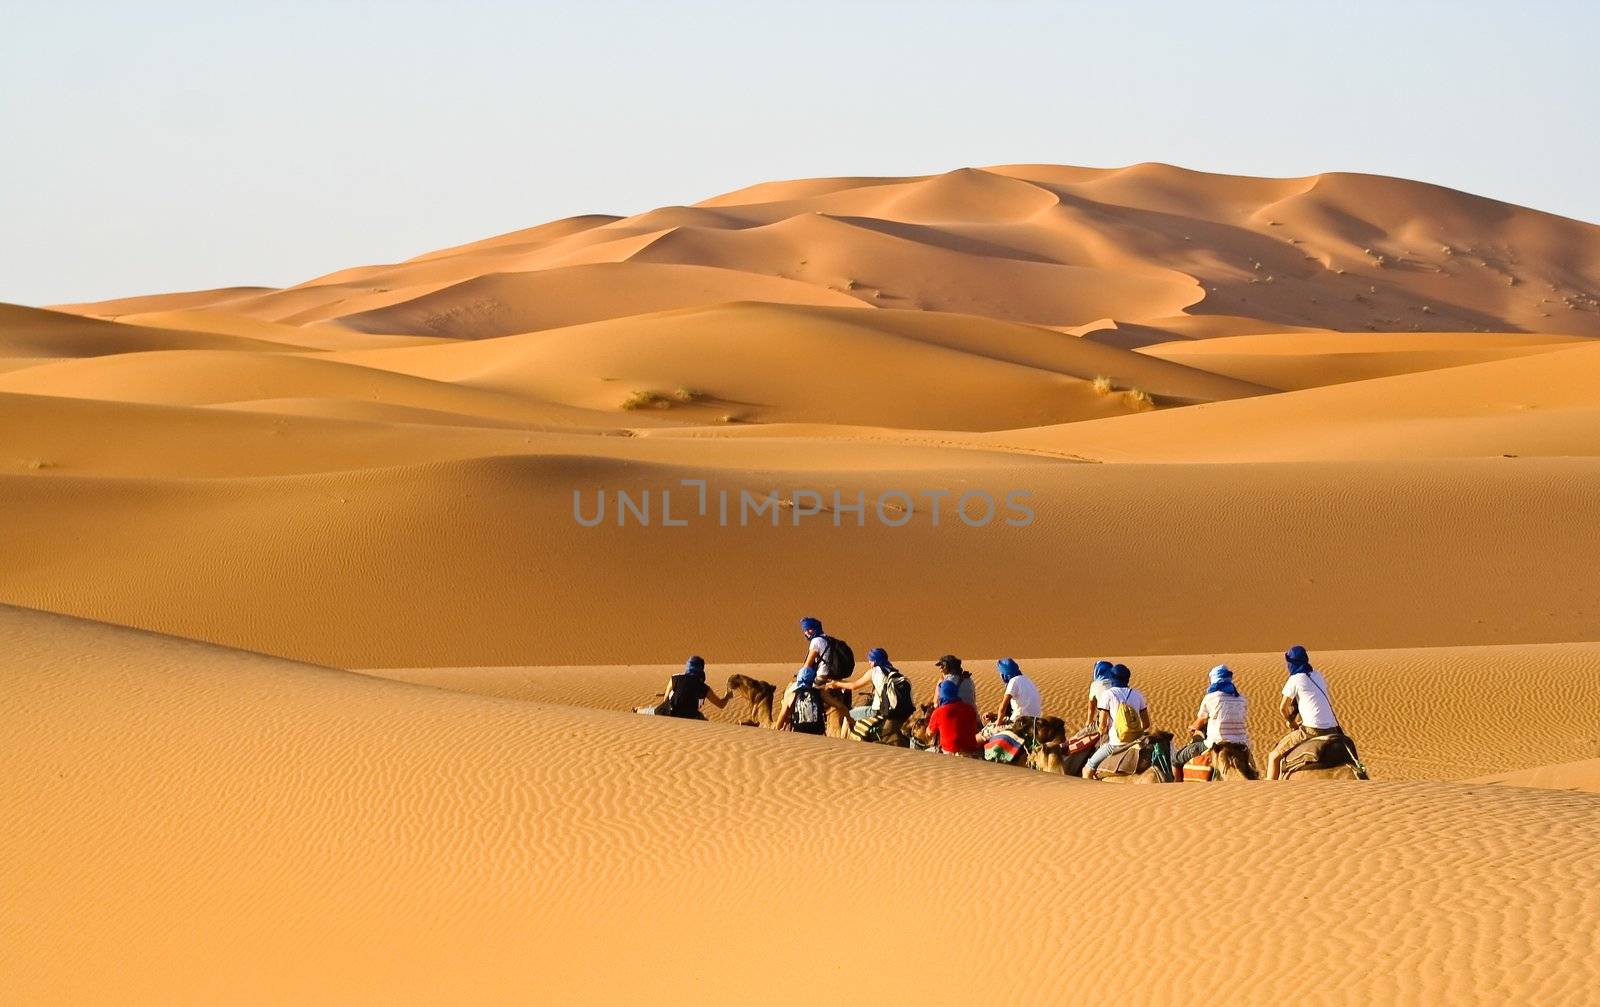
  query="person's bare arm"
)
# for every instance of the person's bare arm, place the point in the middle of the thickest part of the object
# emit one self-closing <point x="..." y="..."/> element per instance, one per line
<point x="1005" y="704"/>
<point x="720" y="702"/>
<point x="1289" y="709"/>
<point x="859" y="682"/>
<point x="1199" y="725"/>
<point x="1144" y="718"/>
<point x="783" y="714"/>
<point x="1094" y="712"/>
<point x="1102" y="720"/>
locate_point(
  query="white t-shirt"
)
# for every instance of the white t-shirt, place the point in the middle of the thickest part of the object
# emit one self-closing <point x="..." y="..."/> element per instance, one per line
<point x="1310" y="692"/>
<point x="1025" y="701"/>
<point x="1224" y="719"/>
<point x="819" y="647"/>
<point x="1114" y="697"/>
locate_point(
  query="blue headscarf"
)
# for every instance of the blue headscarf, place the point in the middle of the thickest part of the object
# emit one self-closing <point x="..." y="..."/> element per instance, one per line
<point x="878" y="656"/>
<point x="811" y="625"/>
<point x="1103" y="670"/>
<point x="1222" y="681"/>
<point x="805" y="678"/>
<point x="1299" y="661"/>
<point x="949" y="692"/>
<point x="695" y="666"/>
<point x="1121" y="676"/>
<point x="1008" y="669"/>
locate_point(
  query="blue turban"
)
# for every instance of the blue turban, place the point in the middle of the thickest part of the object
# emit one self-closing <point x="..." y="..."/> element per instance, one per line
<point x="1299" y="661"/>
<point x="805" y="678"/>
<point x="695" y="666"/>
<point x="1008" y="669"/>
<point x="810" y="624"/>
<point x="1222" y="681"/>
<point x="1104" y="671"/>
<point x="878" y="656"/>
<point x="949" y="692"/>
<point x="1121" y="676"/>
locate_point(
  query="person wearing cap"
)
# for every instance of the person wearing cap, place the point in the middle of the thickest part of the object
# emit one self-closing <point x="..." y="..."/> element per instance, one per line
<point x="1220" y="719"/>
<point x="686" y="692"/>
<point x="953" y="727"/>
<point x="1021" y="697"/>
<point x="1305" y="699"/>
<point x="950" y="668"/>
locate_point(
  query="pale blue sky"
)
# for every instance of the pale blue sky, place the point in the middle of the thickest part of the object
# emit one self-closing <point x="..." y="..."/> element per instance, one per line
<point x="165" y="146"/>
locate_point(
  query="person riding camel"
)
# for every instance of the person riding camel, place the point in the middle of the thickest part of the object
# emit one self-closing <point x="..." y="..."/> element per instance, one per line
<point x="953" y="728"/>
<point x="1124" y="720"/>
<point x="1021" y="698"/>
<point x="802" y="711"/>
<point x="1104" y="672"/>
<point x="834" y="663"/>
<point x="891" y="703"/>
<point x="950" y="667"/>
<point x="686" y="692"/>
<point x="1220" y="720"/>
<point x="1306" y="700"/>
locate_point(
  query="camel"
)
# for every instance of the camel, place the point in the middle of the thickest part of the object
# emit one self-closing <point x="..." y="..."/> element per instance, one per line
<point x="1326" y="757"/>
<point x="837" y="702"/>
<point x="1232" y="761"/>
<point x="1127" y="767"/>
<point x="758" y="694"/>
<point x="1058" y="752"/>
<point x="916" y="729"/>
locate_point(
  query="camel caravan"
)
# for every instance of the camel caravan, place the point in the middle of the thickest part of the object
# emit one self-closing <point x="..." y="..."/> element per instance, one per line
<point x="1116" y="742"/>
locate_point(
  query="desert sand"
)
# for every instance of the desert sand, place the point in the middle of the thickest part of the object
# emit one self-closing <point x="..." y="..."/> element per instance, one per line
<point x="315" y="687"/>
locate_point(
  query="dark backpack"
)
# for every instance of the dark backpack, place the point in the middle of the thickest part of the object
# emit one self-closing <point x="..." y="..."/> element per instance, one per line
<point x="684" y="696"/>
<point x="897" y="690"/>
<point x="806" y="716"/>
<point x="838" y="661"/>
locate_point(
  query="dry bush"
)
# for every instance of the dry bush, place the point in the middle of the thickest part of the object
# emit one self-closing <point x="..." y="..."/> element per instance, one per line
<point x="645" y="400"/>
<point x="1102" y="385"/>
<point x="1138" y="400"/>
<point x="686" y="394"/>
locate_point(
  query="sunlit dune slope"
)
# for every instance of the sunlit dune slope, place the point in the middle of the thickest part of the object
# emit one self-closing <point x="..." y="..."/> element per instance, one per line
<point x="1038" y="243"/>
<point x="393" y="844"/>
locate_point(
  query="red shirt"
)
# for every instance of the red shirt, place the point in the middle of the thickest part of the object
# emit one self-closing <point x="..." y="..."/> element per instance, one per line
<point x="954" y="727"/>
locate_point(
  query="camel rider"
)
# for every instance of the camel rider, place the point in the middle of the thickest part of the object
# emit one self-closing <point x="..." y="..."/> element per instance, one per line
<point x="953" y="728"/>
<point x="1117" y="728"/>
<point x="802" y="711"/>
<point x="820" y="658"/>
<point x="1104" y="672"/>
<point x="1220" y="719"/>
<point x="1021" y="698"/>
<point x="688" y="690"/>
<point x="1305" y="699"/>
<point x="876" y="675"/>
<point x="950" y="668"/>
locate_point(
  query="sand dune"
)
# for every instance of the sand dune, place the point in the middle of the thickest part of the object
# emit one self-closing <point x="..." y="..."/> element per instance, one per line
<point x="1295" y="360"/>
<point x="396" y="844"/>
<point x="1545" y="404"/>
<point x="1353" y="412"/>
